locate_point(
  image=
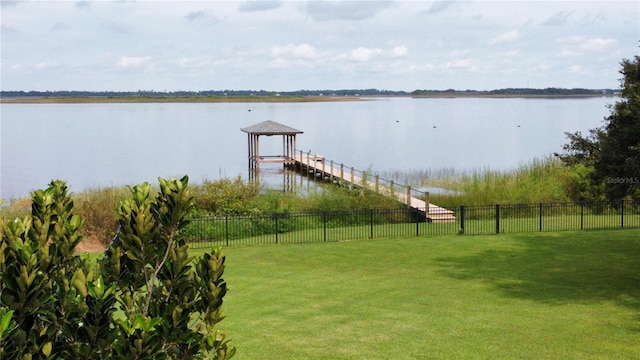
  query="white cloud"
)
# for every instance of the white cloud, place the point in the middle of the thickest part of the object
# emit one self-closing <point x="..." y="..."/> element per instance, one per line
<point x="505" y="38"/>
<point x="262" y="5"/>
<point x="578" y="45"/>
<point x="439" y="6"/>
<point x="460" y="64"/>
<point x="46" y="65"/>
<point x="301" y="51"/>
<point x="597" y="44"/>
<point x="322" y="44"/>
<point x="133" y="61"/>
<point x="576" y="69"/>
<point x="344" y="10"/>
<point x="568" y="53"/>
<point x="558" y="19"/>
<point x="421" y="67"/>
<point x="191" y="62"/>
<point x="513" y="53"/>
<point x="459" y="53"/>
<point x="399" y="51"/>
<point x="363" y="54"/>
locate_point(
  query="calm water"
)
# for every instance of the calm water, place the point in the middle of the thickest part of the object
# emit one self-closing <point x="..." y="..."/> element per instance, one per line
<point x="97" y="145"/>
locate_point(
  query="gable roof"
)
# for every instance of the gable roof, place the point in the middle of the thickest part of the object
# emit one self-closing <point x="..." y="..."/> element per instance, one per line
<point x="270" y="128"/>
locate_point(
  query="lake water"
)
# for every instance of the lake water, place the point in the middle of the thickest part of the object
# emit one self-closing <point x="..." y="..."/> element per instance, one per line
<point x="99" y="145"/>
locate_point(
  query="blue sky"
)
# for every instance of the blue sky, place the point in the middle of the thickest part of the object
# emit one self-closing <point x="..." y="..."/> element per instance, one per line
<point x="293" y="45"/>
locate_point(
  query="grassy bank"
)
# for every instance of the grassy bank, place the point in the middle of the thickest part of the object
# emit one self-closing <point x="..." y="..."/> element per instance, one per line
<point x="544" y="180"/>
<point x="97" y="207"/>
<point x="570" y="295"/>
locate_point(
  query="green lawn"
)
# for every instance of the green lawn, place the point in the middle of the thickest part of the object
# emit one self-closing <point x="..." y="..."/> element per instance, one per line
<point x="565" y="295"/>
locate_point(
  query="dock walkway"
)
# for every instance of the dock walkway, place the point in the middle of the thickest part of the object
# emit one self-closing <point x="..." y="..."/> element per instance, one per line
<point x="329" y="172"/>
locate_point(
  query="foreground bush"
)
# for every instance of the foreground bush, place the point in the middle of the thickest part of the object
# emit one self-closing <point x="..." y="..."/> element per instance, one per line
<point x="146" y="299"/>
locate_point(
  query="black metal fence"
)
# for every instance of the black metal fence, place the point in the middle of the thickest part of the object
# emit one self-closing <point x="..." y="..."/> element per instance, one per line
<point x="321" y="226"/>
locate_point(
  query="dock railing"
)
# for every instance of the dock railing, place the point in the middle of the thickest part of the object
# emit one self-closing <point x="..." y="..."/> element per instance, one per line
<point x="327" y="170"/>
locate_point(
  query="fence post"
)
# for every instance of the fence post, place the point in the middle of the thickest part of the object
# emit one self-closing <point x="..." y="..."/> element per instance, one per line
<point x="371" y="224"/>
<point x="391" y="188"/>
<point x="408" y="196"/>
<point x="622" y="214"/>
<point x="540" y="214"/>
<point x="226" y="229"/>
<point x="324" y="224"/>
<point x="276" y="216"/>
<point x="341" y="173"/>
<point x="581" y="215"/>
<point x="461" y="218"/>
<point x="497" y="218"/>
<point x="377" y="184"/>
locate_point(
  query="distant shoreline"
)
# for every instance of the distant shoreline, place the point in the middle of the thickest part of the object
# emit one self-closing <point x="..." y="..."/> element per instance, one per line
<point x="171" y="99"/>
<point x="513" y="96"/>
<point x="268" y="99"/>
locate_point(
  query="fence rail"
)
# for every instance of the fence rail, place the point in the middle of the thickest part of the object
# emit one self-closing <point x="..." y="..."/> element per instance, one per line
<point x="325" y="226"/>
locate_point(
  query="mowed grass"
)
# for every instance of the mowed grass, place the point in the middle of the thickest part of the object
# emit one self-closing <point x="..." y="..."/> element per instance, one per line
<point x="565" y="295"/>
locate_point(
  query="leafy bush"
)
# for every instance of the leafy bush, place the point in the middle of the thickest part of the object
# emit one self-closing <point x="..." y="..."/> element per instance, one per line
<point x="225" y="196"/>
<point x="146" y="299"/>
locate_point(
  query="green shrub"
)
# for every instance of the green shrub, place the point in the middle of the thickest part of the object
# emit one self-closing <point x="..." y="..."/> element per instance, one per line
<point x="146" y="299"/>
<point x="225" y="196"/>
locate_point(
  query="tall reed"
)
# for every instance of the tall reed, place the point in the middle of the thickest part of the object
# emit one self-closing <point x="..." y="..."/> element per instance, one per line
<point x="97" y="207"/>
<point x="543" y="179"/>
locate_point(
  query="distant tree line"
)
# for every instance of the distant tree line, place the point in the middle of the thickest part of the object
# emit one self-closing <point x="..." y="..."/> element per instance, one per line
<point x="519" y="92"/>
<point x="344" y="92"/>
<point x="205" y="93"/>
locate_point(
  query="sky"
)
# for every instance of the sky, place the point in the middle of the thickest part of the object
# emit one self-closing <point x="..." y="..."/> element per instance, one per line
<point x="312" y="45"/>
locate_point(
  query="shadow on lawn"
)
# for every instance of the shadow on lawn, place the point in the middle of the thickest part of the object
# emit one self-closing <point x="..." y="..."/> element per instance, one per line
<point x="557" y="268"/>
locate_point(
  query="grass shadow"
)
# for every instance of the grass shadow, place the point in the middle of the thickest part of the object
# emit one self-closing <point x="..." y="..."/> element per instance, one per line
<point x="557" y="268"/>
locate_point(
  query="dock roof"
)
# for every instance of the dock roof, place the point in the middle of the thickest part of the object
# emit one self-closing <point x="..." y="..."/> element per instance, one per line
<point x="270" y="128"/>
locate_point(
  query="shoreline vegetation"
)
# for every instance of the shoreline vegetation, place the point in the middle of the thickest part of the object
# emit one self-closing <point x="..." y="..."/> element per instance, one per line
<point x="247" y="96"/>
<point x="170" y="99"/>
<point x="541" y="180"/>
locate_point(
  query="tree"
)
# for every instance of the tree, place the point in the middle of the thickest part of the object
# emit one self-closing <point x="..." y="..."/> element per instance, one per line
<point x="146" y="299"/>
<point x="611" y="153"/>
<point x="619" y="162"/>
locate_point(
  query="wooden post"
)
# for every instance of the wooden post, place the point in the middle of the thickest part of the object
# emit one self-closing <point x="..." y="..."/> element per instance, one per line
<point x="426" y="202"/>
<point x="408" y="196"/>
<point x="377" y="184"/>
<point x="331" y="177"/>
<point x="364" y="182"/>
<point x="341" y="172"/>
<point x="284" y="148"/>
<point x="323" y="172"/>
<point x="308" y="165"/>
<point x="353" y="180"/>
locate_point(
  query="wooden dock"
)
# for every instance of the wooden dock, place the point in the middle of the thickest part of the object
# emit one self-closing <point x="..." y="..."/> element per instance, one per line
<point x="323" y="170"/>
